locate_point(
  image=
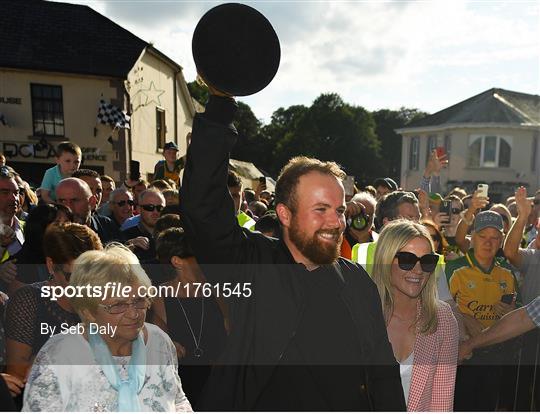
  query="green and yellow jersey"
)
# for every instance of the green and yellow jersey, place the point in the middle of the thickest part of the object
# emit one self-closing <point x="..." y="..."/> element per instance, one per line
<point x="475" y="290"/>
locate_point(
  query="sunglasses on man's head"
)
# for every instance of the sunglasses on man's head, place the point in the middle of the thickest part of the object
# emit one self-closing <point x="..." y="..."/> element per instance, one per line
<point x="407" y="261"/>
<point x="124" y="202"/>
<point x="152" y="207"/>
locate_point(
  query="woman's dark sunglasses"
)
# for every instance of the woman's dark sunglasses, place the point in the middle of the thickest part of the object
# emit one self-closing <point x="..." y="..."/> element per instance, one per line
<point x="407" y="261"/>
<point x="456" y="210"/>
<point x="124" y="202"/>
<point x="152" y="207"/>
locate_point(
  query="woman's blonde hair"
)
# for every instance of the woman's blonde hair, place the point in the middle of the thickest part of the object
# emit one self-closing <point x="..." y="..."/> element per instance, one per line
<point x="392" y="239"/>
<point x="115" y="263"/>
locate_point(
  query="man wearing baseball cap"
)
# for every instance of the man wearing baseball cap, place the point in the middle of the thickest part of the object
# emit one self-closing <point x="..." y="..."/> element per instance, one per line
<point x="484" y="289"/>
<point x="171" y="166"/>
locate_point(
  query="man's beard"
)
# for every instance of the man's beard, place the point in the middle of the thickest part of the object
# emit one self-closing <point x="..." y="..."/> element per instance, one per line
<point x="313" y="248"/>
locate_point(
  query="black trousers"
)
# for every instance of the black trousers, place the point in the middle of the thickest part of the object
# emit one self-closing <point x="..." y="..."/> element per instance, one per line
<point x="486" y="382"/>
<point x="528" y="386"/>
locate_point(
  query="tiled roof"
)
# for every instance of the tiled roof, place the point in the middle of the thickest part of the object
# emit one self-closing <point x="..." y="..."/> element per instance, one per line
<point x="495" y="105"/>
<point x="62" y="37"/>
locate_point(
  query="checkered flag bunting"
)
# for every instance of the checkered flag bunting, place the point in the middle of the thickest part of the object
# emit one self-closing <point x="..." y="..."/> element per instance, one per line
<point x="110" y="114"/>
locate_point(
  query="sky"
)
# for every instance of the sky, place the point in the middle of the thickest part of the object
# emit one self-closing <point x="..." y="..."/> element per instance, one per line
<point x="375" y="54"/>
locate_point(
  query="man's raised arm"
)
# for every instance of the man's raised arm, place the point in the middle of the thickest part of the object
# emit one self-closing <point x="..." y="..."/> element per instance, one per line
<point x="207" y="209"/>
<point x="512" y="250"/>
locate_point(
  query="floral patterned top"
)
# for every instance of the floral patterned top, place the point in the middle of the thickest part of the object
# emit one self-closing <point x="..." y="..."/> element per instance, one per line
<point x="65" y="377"/>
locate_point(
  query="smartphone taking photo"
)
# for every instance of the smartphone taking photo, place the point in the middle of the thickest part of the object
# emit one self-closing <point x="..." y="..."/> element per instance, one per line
<point x="483" y="188"/>
<point x="441" y="152"/>
<point x="446" y="208"/>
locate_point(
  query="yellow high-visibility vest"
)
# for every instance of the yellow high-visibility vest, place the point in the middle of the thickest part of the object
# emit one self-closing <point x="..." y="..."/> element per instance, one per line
<point x="245" y="221"/>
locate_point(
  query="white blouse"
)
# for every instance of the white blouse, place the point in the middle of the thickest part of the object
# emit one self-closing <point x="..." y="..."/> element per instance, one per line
<point x="65" y="377"/>
<point x="405" y="370"/>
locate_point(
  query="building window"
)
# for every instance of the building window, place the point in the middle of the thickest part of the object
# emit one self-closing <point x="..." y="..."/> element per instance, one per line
<point x="448" y="145"/>
<point x="47" y="110"/>
<point x="160" y="128"/>
<point x="489" y="151"/>
<point x="431" y="145"/>
<point x="414" y="151"/>
<point x="534" y="151"/>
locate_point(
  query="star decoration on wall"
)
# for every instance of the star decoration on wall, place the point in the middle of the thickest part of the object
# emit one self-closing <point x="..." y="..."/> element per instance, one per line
<point x="150" y="95"/>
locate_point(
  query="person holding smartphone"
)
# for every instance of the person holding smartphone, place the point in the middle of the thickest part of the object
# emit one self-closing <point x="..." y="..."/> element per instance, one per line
<point x="430" y="181"/>
<point x="448" y="221"/>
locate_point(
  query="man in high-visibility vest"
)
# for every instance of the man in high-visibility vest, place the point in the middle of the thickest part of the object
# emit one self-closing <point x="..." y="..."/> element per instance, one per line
<point x="398" y="204"/>
<point x="11" y="229"/>
<point x="395" y="205"/>
<point x="235" y="188"/>
<point x="360" y="215"/>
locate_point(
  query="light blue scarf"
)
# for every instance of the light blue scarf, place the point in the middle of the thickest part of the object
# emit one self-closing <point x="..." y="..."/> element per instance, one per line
<point x="128" y="389"/>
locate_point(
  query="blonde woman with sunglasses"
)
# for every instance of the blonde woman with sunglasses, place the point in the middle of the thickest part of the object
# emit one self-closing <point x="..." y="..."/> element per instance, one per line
<point x="421" y="328"/>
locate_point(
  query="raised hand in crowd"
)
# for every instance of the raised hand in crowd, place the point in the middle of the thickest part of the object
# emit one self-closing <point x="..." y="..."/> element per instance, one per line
<point x="440" y="219"/>
<point x="353" y="209"/>
<point x="523" y="204"/>
<point x="435" y="164"/>
<point x="260" y="188"/>
<point x="478" y="202"/>
<point x="423" y="204"/>
<point x="515" y="235"/>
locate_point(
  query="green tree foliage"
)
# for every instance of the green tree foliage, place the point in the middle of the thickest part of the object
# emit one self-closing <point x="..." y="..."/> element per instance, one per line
<point x="252" y="144"/>
<point x="200" y="93"/>
<point x="329" y="129"/>
<point x="363" y="143"/>
<point x="387" y="122"/>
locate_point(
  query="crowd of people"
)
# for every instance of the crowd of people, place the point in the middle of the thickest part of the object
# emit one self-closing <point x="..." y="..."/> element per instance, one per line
<point x="385" y="300"/>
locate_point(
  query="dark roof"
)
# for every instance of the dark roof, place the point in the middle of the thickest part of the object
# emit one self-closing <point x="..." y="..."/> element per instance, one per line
<point x="492" y="106"/>
<point x="62" y="37"/>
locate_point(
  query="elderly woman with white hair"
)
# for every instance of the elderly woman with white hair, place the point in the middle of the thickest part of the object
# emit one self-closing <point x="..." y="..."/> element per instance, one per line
<point x="113" y="360"/>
